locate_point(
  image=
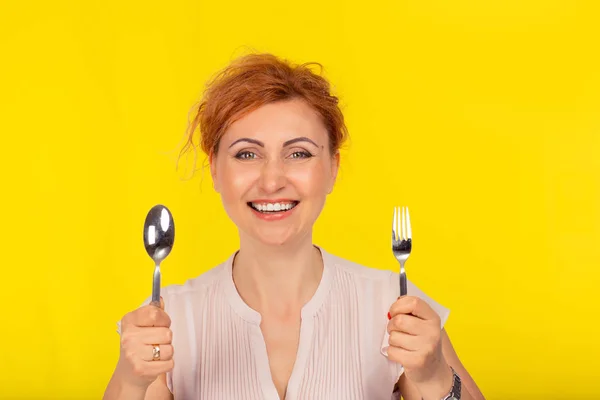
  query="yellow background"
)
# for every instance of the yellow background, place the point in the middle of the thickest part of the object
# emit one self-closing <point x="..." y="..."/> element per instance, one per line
<point x="482" y="116"/>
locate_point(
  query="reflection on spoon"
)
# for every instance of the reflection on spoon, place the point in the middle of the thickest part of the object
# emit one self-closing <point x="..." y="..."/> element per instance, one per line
<point x="159" y="236"/>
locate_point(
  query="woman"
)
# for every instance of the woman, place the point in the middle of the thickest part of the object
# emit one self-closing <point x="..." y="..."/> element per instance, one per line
<point x="282" y="318"/>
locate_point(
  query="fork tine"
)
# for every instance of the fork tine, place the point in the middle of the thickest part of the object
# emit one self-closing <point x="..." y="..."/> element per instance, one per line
<point x="408" y="230"/>
<point x="395" y="225"/>
<point x="393" y="230"/>
<point x="399" y="223"/>
<point x="403" y="223"/>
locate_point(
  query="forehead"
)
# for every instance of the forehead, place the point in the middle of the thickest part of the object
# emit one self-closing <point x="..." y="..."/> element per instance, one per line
<point x="278" y="122"/>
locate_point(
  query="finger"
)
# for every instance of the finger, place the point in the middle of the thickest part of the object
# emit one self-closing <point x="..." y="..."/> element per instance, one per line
<point x="412" y="305"/>
<point x="399" y="354"/>
<point x="408" y="359"/>
<point x="166" y="352"/>
<point x="160" y="303"/>
<point x="407" y="323"/>
<point x="150" y="315"/>
<point x="153" y="335"/>
<point x="404" y="341"/>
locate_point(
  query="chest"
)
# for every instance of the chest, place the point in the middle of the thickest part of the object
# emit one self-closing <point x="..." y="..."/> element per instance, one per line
<point x="328" y="356"/>
<point x="281" y="340"/>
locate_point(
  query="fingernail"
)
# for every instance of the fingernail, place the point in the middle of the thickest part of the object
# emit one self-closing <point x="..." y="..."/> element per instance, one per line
<point x="389" y="316"/>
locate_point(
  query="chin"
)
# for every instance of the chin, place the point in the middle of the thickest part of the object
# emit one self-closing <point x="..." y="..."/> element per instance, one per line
<point x="273" y="238"/>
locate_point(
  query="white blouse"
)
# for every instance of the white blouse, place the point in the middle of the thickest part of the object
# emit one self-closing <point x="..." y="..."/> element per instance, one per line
<point x="220" y="352"/>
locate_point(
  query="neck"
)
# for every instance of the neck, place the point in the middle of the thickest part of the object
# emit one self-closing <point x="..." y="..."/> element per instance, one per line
<point x="277" y="280"/>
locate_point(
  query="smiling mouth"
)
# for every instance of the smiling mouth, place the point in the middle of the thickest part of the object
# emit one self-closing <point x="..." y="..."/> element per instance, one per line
<point x="272" y="208"/>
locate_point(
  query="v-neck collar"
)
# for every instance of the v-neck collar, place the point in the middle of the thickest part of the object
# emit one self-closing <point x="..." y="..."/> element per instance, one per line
<point x="253" y="316"/>
<point x="305" y="344"/>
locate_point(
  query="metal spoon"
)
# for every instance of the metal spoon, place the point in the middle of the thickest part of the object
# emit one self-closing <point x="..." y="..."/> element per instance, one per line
<point x="159" y="235"/>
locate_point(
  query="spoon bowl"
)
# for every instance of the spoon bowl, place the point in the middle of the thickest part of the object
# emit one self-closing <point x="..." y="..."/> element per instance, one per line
<point x="159" y="236"/>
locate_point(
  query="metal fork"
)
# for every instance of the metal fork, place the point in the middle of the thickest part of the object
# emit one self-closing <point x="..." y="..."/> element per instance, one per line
<point x="401" y="242"/>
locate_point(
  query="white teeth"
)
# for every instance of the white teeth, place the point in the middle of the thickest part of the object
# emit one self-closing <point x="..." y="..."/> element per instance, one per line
<point x="273" y="206"/>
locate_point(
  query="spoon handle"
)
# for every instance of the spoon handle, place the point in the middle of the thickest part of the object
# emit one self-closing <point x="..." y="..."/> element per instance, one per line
<point x="156" y="286"/>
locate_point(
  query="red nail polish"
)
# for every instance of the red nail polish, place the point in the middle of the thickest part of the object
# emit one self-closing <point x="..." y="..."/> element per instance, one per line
<point x="389" y="316"/>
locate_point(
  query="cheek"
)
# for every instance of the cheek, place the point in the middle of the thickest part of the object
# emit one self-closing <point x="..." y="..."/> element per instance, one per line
<point x="234" y="182"/>
<point x="310" y="180"/>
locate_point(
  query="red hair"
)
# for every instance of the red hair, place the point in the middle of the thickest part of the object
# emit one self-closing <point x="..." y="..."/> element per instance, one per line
<point x="253" y="81"/>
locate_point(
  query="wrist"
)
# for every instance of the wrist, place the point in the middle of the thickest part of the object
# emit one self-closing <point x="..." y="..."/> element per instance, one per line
<point x="119" y="388"/>
<point x="126" y="386"/>
<point x="130" y="390"/>
<point x="439" y="385"/>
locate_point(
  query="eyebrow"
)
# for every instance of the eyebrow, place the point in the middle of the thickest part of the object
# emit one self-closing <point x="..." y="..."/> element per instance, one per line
<point x="248" y="140"/>
<point x="261" y="144"/>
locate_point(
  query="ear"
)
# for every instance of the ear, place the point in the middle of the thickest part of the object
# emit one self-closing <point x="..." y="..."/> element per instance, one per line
<point x="213" y="170"/>
<point x="335" y="166"/>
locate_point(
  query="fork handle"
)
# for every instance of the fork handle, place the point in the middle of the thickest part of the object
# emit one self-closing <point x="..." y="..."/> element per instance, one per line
<point x="403" y="288"/>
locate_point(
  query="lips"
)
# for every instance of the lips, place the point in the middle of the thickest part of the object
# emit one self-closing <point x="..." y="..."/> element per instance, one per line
<point x="273" y="210"/>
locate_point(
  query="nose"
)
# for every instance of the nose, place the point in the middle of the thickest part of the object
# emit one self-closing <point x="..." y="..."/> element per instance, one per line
<point x="272" y="176"/>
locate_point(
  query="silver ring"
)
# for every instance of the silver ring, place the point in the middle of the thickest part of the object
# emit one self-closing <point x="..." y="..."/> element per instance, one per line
<point x="155" y="352"/>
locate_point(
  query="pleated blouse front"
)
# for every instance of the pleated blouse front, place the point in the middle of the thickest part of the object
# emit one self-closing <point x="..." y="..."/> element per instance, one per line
<point x="220" y="352"/>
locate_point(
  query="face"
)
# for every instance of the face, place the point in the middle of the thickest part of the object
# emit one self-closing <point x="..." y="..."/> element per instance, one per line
<point x="274" y="171"/>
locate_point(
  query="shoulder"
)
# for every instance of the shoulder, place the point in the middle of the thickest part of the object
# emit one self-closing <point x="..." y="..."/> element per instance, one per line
<point x="374" y="288"/>
<point x="381" y="283"/>
<point x="192" y="290"/>
<point x="206" y="284"/>
<point x="358" y="271"/>
<point x="200" y="283"/>
<point x="197" y="291"/>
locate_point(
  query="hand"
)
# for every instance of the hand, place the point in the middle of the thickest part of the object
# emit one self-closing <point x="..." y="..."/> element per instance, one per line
<point x="140" y="330"/>
<point x="415" y="343"/>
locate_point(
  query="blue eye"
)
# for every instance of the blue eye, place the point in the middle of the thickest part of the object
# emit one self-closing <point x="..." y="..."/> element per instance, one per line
<point x="245" y="155"/>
